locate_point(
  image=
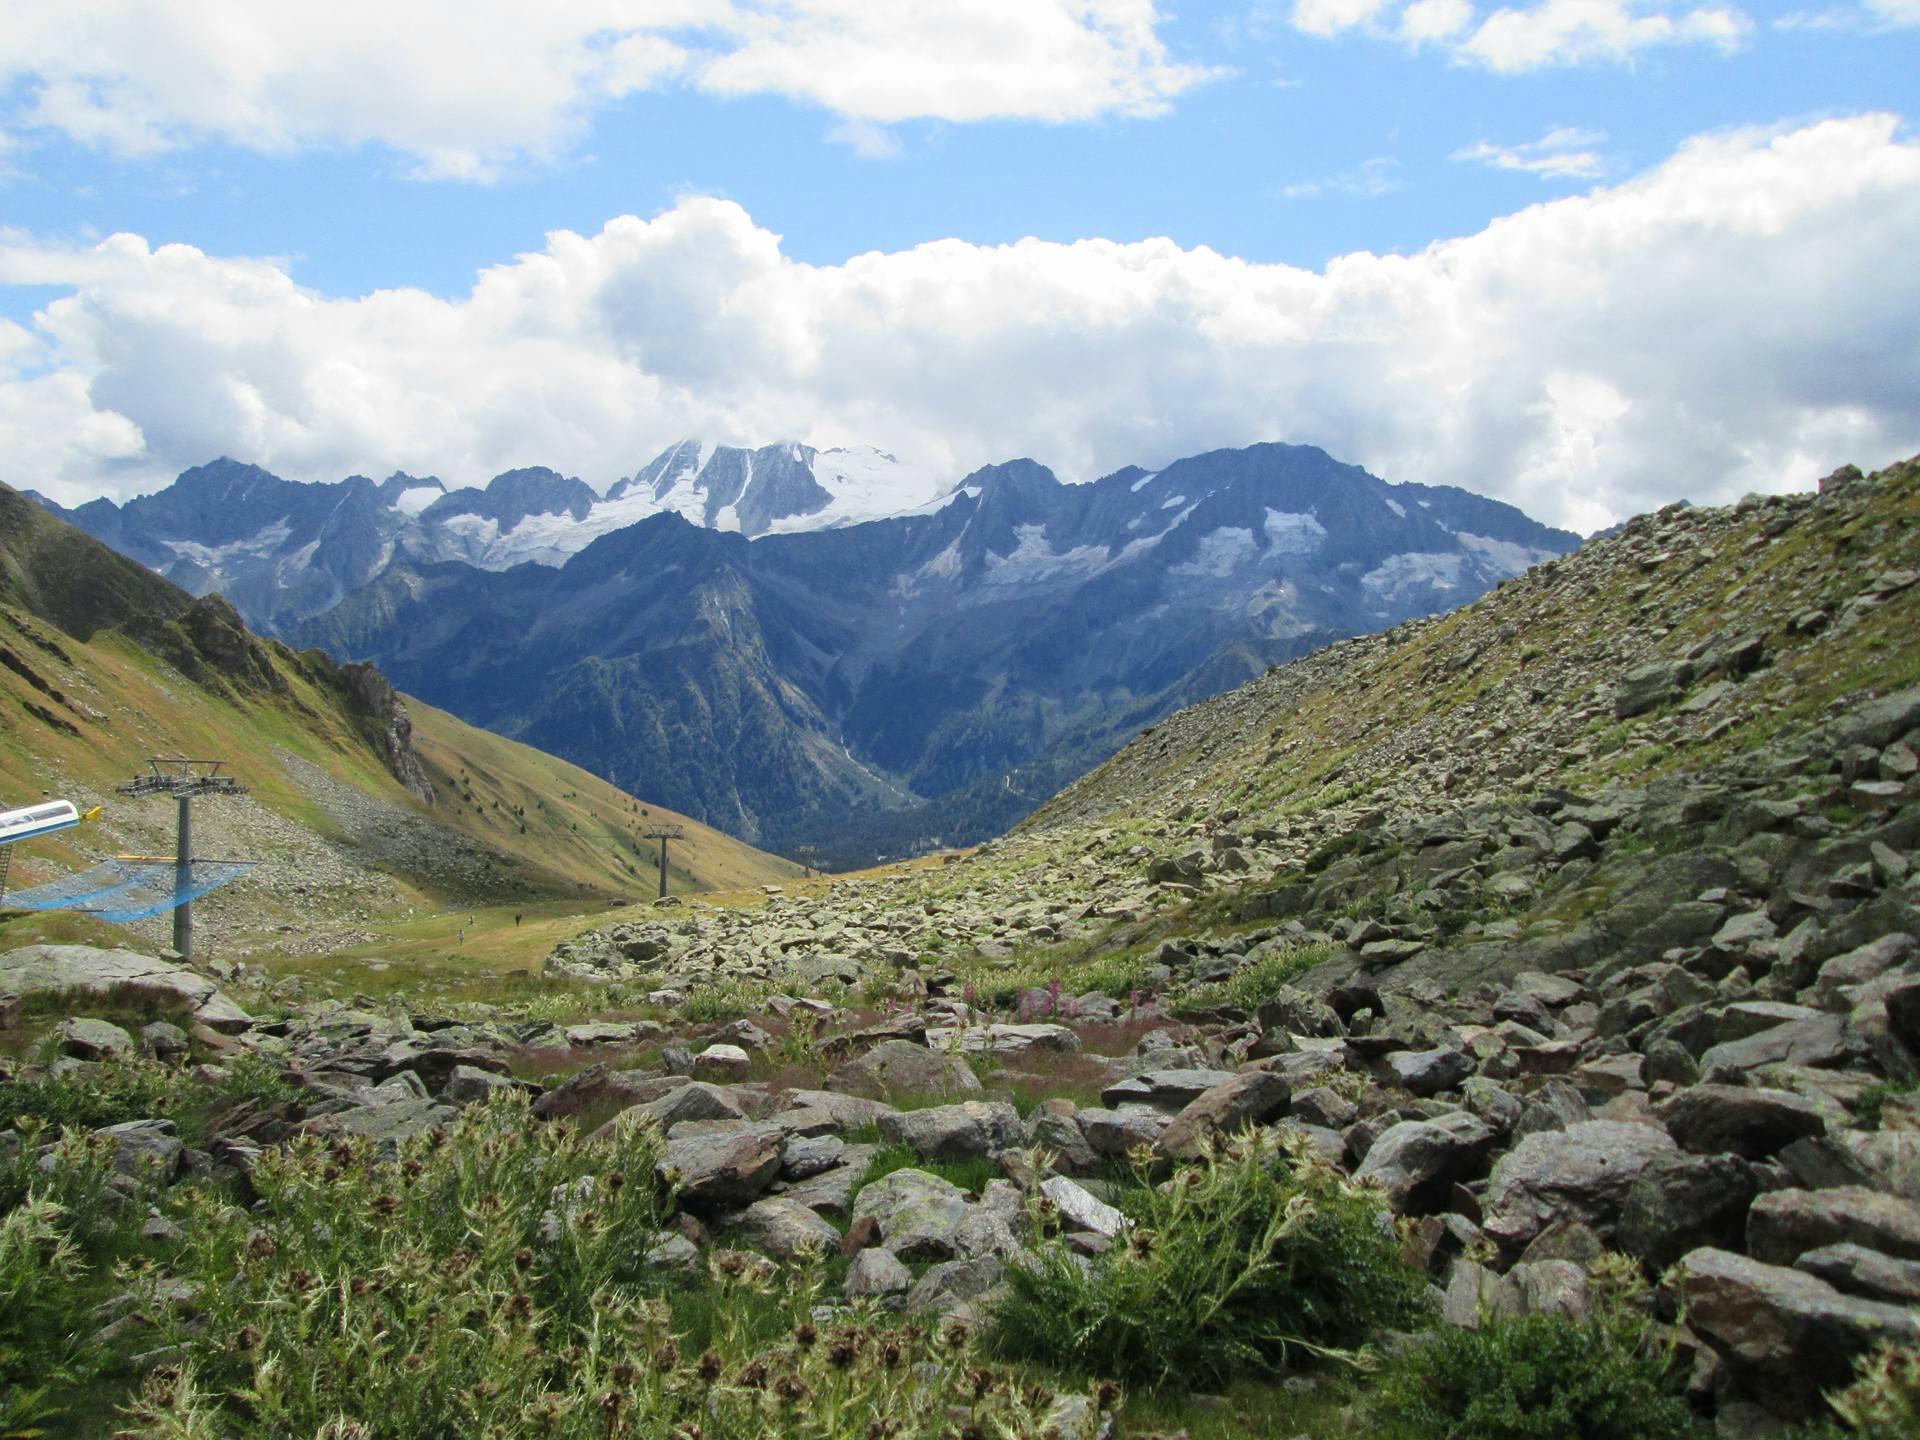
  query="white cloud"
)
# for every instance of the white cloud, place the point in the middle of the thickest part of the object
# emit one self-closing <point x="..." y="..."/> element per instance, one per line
<point x="1426" y="20"/>
<point x="1741" y="317"/>
<point x="1564" y="153"/>
<point x="1553" y="32"/>
<point x="1868" y="18"/>
<point x="866" y="139"/>
<point x="1367" y="181"/>
<point x="1330" y="17"/>
<point x="1568" y="32"/>
<point x="468" y="87"/>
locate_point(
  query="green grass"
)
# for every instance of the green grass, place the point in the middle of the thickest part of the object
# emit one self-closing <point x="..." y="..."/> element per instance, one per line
<point x="1873" y="1099"/>
<point x="970" y="1175"/>
<point x="1255" y="984"/>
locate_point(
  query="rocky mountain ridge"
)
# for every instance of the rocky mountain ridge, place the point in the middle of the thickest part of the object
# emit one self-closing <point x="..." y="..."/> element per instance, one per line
<point x="928" y="675"/>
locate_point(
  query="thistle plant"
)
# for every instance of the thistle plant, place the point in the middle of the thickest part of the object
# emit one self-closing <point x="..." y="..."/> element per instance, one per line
<point x="492" y="1282"/>
<point x="1260" y="1256"/>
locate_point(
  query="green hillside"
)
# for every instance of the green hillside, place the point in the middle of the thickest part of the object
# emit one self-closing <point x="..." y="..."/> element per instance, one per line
<point x="103" y="664"/>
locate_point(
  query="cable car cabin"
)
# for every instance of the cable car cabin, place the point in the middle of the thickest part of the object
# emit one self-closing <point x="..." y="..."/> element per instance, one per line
<point x="41" y="819"/>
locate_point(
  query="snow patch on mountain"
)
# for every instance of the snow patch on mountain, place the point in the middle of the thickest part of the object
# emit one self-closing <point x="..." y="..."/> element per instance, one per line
<point x="1221" y="552"/>
<point x="1400" y="573"/>
<point x="1292" y="534"/>
<point x="262" y="542"/>
<point x="1033" y="559"/>
<point x="1504" y="557"/>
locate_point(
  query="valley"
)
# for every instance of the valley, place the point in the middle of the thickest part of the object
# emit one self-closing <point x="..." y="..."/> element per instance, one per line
<point x="866" y="686"/>
<point x="1535" y="979"/>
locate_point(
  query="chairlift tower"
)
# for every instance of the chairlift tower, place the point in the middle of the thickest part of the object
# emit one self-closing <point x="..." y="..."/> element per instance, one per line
<point x="809" y="858"/>
<point x="664" y="833"/>
<point x="184" y="779"/>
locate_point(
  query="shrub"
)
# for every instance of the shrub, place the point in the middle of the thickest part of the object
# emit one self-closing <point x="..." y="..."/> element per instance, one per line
<point x="1874" y="1097"/>
<point x="1884" y="1402"/>
<point x="122" y="1088"/>
<point x="1245" y="1262"/>
<point x="493" y="1283"/>
<point x="724" y="1000"/>
<point x="108" y="1092"/>
<point x="1538" y="1377"/>
<point x="39" y="1264"/>
<point x="1253" y="985"/>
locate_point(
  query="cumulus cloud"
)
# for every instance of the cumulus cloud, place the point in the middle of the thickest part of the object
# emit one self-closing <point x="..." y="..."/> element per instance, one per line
<point x="467" y="87"/>
<point x="1563" y="153"/>
<point x="1554" y="32"/>
<point x="1745" y="316"/>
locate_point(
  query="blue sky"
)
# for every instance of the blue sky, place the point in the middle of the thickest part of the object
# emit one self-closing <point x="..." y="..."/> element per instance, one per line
<point x="414" y="146"/>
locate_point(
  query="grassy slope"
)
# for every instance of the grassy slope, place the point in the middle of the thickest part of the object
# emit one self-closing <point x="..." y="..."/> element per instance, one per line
<point x="82" y="706"/>
<point x="576" y="822"/>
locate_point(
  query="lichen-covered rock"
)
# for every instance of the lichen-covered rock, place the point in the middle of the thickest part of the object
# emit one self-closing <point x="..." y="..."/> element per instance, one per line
<point x="971" y="1130"/>
<point x="1753" y="1123"/>
<point x="1248" y="1099"/>
<point x="918" y="1214"/>
<point x="899" y="1068"/>
<point x="1789" y="1336"/>
<point x="85" y="967"/>
<point x="1583" y="1172"/>
<point x="1418" y="1162"/>
<point x="722" y="1168"/>
<point x="1785" y="1224"/>
<point x="785" y="1228"/>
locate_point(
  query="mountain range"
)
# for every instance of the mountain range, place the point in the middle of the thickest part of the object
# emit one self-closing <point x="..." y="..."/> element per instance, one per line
<point x="749" y="636"/>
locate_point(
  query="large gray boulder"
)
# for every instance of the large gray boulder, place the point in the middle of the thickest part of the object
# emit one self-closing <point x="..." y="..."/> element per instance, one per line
<point x="971" y="1130"/>
<point x="1168" y="1090"/>
<point x="918" y="1215"/>
<point x="1233" y="1105"/>
<point x="389" y="1125"/>
<point x="88" y="1039"/>
<point x="1863" y="1272"/>
<point x="147" y="1150"/>
<point x="683" y="1103"/>
<point x="786" y="1229"/>
<point x="1418" y="1162"/>
<point x="1681" y="1203"/>
<point x="1079" y="1209"/>
<point x="1583" y="1172"/>
<point x="1817" y="1040"/>
<point x="1428" y="1072"/>
<point x="877" y="1274"/>
<point x="1786" y="1335"/>
<point x="85" y="967"/>
<point x="948" y="1287"/>
<point x="722" y="1168"/>
<point x="1735" y="1119"/>
<point x="900" y="1069"/>
<point x="1784" y="1225"/>
<point x="1008" y="1042"/>
<point x="1115" y="1134"/>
